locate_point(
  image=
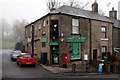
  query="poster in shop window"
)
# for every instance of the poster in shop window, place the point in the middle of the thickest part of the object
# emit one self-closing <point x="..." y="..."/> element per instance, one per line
<point x="75" y="51"/>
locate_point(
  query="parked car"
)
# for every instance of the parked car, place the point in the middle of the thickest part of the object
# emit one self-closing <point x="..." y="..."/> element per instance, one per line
<point x="14" y="55"/>
<point x="26" y="59"/>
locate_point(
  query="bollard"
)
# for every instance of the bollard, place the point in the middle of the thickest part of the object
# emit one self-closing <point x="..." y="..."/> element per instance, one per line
<point x="87" y="67"/>
<point x="100" y="68"/>
<point x="73" y="67"/>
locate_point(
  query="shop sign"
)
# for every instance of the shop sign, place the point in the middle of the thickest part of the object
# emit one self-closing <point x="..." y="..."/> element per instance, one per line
<point x="28" y="39"/>
<point x="43" y="40"/>
<point x="75" y="39"/>
<point x="53" y="43"/>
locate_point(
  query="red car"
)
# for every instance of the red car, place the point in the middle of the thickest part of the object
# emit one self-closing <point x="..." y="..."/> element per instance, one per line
<point x="26" y="59"/>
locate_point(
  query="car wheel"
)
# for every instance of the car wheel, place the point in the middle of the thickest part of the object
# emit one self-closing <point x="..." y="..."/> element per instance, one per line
<point x="34" y="65"/>
<point x="11" y="59"/>
<point x="19" y="65"/>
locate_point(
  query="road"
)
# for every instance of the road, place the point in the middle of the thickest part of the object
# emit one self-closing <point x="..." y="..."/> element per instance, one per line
<point x="11" y="70"/>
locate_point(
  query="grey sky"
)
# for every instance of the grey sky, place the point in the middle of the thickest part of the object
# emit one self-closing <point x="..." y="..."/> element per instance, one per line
<point x="31" y="10"/>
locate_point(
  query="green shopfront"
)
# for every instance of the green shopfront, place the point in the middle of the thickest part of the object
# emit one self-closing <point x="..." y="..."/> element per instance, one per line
<point x="75" y="49"/>
<point x="54" y="52"/>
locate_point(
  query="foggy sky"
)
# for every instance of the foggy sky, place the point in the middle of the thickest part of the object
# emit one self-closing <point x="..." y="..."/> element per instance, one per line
<point x="32" y="10"/>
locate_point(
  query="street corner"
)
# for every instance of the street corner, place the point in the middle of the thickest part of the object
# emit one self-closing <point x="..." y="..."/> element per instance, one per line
<point x="56" y="69"/>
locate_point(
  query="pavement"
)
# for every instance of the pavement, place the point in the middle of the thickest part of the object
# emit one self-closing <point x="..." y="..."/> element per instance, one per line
<point x="56" y="69"/>
<point x="67" y="71"/>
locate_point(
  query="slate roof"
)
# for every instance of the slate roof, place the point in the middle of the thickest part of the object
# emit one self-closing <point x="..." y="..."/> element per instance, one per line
<point x="115" y="21"/>
<point x="80" y="12"/>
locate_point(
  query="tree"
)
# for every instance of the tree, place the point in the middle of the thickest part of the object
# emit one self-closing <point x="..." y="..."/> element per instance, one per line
<point x="52" y="4"/>
<point x="19" y="30"/>
<point x="77" y="4"/>
<point x="6" y="28"/>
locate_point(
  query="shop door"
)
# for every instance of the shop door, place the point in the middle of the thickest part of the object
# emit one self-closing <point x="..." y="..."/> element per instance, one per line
<point x="55" y="54"/>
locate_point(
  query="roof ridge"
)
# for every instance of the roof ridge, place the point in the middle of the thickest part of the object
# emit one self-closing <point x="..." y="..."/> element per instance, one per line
<point x="80" y="12"/>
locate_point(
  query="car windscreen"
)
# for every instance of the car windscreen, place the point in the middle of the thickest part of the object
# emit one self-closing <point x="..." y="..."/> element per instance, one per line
<point x="27" y="56"/>
<point x="16" y="53"/>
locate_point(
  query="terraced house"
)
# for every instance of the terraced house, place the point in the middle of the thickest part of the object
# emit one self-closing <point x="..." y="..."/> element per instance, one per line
<point x="70" y="32"/>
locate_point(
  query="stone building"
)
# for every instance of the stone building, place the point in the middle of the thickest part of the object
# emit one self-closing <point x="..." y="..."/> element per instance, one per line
<point x="116" y="29"/>
<point x="71" y="31"/>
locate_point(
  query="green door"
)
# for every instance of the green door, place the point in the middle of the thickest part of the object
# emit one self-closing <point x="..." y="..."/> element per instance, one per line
<point x="75" y="51"/>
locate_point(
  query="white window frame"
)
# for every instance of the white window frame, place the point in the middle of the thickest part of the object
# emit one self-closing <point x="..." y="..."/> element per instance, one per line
<point x="44" y="23"/>
<point x="75" y="26"/>
<point x="104" y="51"/>
<point x="104" y="30"/>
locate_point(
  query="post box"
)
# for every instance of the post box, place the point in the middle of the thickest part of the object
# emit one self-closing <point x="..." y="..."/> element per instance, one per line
<point x="64" y="60"/>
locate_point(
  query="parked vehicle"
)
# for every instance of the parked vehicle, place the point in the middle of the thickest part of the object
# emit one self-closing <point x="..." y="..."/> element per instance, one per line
<point x="26" y="59"/>
<point x="14" y="55"/>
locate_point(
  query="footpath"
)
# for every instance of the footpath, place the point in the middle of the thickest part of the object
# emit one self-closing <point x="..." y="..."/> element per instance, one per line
<point x="68" y="71"/>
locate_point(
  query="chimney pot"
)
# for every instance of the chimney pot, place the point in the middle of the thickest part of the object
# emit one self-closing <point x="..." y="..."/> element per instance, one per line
<point x="113" y="13"/>
<point x="112" y="8"/>
<point x="95" y="6"/>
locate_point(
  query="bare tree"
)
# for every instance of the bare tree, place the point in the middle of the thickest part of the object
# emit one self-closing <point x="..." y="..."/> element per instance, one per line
<point x="77" y="4"/>
<point x="52" y="4"/>
<point x="5" y="30"/>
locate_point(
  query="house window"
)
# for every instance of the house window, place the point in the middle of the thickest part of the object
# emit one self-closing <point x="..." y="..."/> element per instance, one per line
<point x="26" y="33"/>
<point x="43" y="29"/>
<point x="103" y="32"/>
<point x="30" y="28"/>
<point x="75" y="26"/>
<point x="39" y="27"/>
<point x="43" y="44"/>
<point x="43" y="23"/>
<point x="104" y="50"/>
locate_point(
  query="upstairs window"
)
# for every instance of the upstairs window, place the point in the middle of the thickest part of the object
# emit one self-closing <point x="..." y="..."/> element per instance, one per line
<point x="75" y="26"/>
<point x="103" y="32"/>
<point x="43" y="23"/>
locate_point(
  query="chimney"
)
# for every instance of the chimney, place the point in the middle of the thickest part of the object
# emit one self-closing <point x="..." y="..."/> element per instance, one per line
<point x="113" y="13"/>
<point x="95" y="7"/>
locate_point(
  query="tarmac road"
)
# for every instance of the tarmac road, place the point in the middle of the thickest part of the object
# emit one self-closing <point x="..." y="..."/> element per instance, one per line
<point x="11" y="70"/>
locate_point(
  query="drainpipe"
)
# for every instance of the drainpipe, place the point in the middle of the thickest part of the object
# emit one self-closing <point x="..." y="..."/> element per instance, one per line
<point x="32" y="43"/>
<point x="90" y="41"/>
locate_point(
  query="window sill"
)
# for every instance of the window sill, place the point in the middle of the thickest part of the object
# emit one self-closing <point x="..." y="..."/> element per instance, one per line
<point x="104" y="39"/>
